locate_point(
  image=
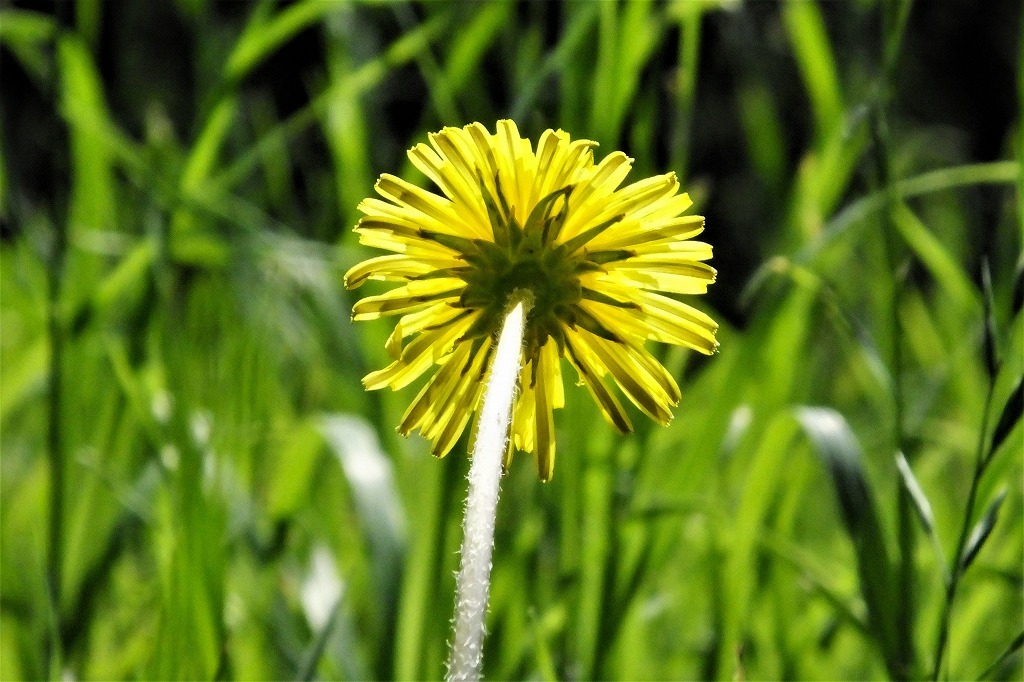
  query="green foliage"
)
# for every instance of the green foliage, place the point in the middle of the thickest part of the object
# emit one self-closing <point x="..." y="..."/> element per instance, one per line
<point x="195" y="485"/>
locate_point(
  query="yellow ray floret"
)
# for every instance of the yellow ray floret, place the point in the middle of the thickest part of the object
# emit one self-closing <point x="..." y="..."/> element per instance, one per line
<point x="600" y="263"/>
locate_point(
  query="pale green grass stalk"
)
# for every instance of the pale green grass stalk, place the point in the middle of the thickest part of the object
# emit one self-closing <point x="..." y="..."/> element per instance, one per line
<point x="904" y="660"/>
<point x="55" y="556"/>
<point x="983" y="457"/>
<point x="956" y="569"/>
<point x="686" y="86"/>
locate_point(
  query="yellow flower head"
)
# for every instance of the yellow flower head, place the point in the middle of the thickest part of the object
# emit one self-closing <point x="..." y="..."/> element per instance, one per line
<point x="550" y="227"/>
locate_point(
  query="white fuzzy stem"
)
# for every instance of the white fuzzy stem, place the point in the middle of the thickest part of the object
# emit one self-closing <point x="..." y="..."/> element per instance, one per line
<point x="474" y="579"/>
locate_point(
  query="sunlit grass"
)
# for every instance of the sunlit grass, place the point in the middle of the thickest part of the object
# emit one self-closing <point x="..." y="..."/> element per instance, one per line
<point x="176" y="342"/>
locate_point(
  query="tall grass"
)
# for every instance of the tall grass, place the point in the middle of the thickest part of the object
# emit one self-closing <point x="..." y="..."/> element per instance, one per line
<point x="194" y="484"/>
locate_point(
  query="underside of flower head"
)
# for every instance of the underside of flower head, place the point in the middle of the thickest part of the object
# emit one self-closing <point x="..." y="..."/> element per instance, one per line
<point x="597" y="262"/>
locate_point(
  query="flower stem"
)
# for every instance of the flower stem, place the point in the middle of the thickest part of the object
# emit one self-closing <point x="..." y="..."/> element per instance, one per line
<point x="474" y="577"/>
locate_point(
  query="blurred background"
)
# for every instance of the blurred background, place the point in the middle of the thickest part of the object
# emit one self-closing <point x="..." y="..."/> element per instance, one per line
<point x="194" y="484"/>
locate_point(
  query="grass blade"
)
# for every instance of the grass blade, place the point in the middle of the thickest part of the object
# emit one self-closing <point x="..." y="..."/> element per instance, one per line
<point x="806" y="29"/>
<point x="471" y="44"/>
<point x="924" y="510"/>
<point x="84" y="107"/>
<point x="933" y="254"/>
<point x="1011" y="415"/>
<point x="760" y="491"/>
<point x="992" y="360"/>
<point x="293" y="474"/>
<point x="204" y="152"/>
<point x="796" y="559"/>
<point x="558" y="60"/>
<point x="27" y="34"/>
<point x="855" y="213"/>
<point x="1014" y="647"/>
<point x="837" y="446"/>
<point x="689" y="16"/>
<point x="362" y="79"/>
<point x="982" y="530"/>
<point x="261" y="38"/>
<point x="370" y="476"/>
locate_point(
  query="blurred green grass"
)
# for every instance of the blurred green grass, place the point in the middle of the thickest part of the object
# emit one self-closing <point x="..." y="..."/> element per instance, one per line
<point x="179" y="366"/>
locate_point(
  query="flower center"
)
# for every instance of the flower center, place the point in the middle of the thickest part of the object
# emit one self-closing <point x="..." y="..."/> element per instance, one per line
<point x="525" y="262"/>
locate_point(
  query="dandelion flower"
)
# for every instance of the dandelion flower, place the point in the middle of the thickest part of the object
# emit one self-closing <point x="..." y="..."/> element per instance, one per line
<point x="596" y="264"/>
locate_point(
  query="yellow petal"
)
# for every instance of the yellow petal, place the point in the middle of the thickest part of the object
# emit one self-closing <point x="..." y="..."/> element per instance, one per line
<point x="450" y="424"/>
<point x="639" y="235"/>
<point x="551" y="366"/>
<point x="524" y="416"/>
<point x="590" y="374"/>
<point x="641" y="390"/>
<point x="674" y="251"/>
<point x="425" y="350"/>
<point x="644" y="323"/>
<point x="458" y="186"/>
<point x="390" y="237"/>
<point x="590" y="198"/>
<point x="396" y="267"/>
<point x="544" y="438"/>
<point x="438" y="390"/>
<point x="551" y="145"/>
<point x="684" y="277"/>
<point x="572" y="164"/>
<point x="678" y="315"/>
<point x="665" y="208"/>
<point x="517" y="166"/>
<point x="427" y="208"/>
<point x="456" y="146"/>
<point x="434" y="316"/>
<point x="654" y="370"/>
